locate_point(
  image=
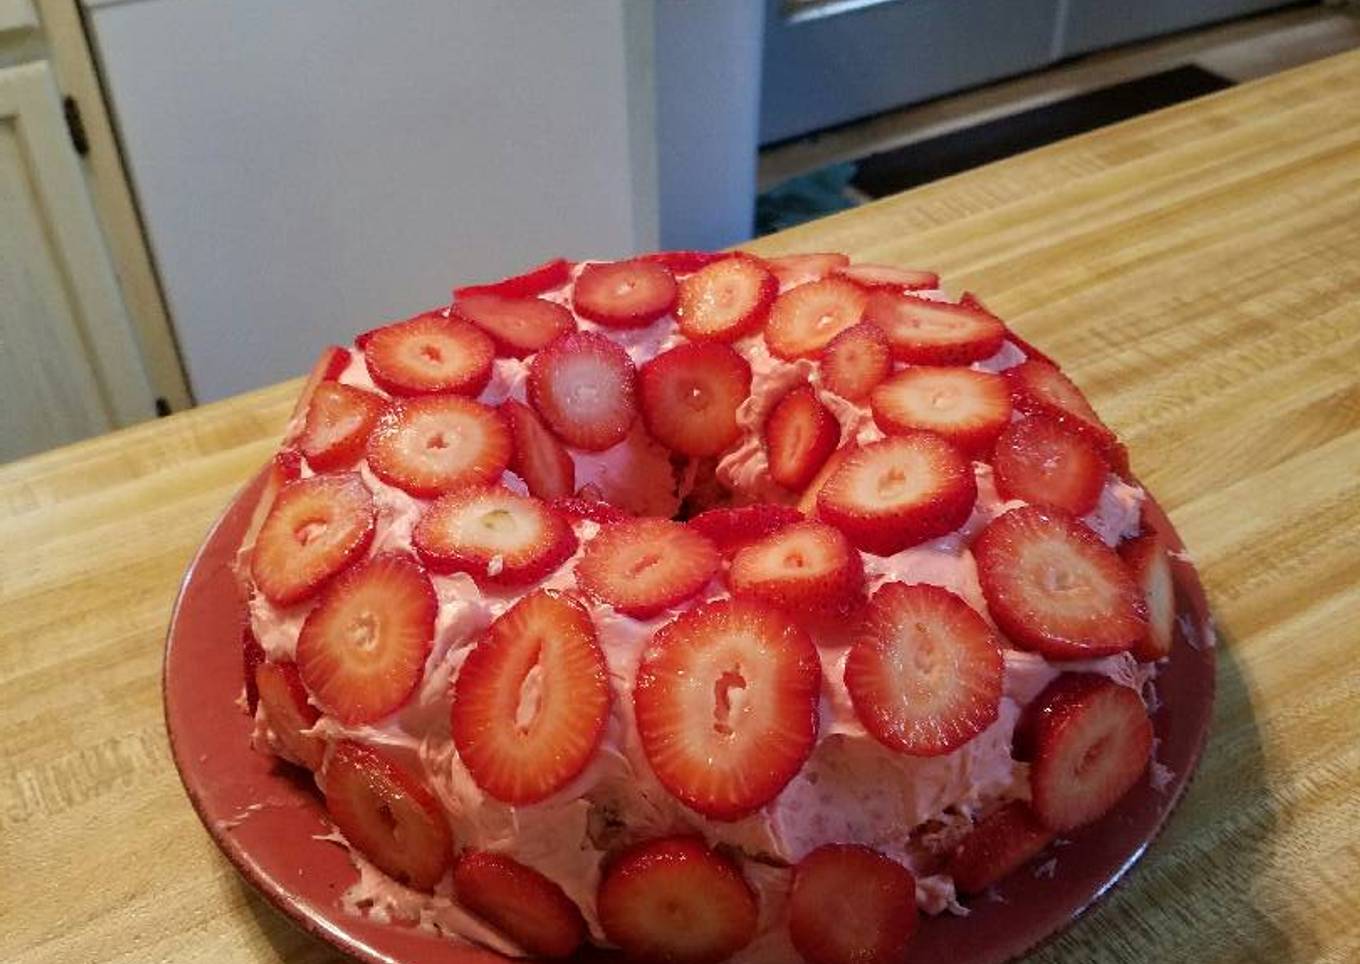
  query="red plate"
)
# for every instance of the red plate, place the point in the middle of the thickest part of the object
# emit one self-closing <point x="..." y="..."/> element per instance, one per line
<point x="272" y="844"/>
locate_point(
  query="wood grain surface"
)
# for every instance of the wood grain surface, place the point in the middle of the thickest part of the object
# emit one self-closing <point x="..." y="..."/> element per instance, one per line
<point x="1198" y="273"/>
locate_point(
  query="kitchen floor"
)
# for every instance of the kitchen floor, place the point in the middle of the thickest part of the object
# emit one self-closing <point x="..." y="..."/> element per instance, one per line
<point x="1078" y="95"/>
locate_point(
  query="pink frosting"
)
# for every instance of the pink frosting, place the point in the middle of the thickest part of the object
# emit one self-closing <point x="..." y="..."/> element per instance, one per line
<point x="852" y="788"/>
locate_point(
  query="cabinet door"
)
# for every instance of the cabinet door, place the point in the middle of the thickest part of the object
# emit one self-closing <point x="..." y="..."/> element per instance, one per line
<point x="1093" y="24"/>
<point x="827" y="62"/>
<point x="69" y="364"/>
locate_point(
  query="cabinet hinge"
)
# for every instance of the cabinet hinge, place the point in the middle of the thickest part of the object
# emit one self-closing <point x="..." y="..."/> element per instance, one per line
<point x="75" y="125"/>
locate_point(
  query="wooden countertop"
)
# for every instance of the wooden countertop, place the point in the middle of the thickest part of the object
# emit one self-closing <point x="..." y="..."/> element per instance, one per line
<point x="1197" y="271"/>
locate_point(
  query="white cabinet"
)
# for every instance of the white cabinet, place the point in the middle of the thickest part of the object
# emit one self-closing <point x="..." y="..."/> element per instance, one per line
<point x="69" y="363"/>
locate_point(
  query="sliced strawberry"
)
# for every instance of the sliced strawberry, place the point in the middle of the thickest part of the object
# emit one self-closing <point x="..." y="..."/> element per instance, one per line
<point x="970" y="300"/>
<point x="1027" y="348"/>
<point x="540" y="459"/>
<point x="799" y="435"/>
<point x="792" y="270"/>
<point x="1118" y="457"/>
<point x="807" y="502"/>
<point x="329" y="366"/>
<point x="496" y="536"/>
<point x="1000" y="843"/>
<point x="899" y="492"/>
<point x="1039" y="461"/>
<point x="388" y="814"/>
<point x="531" y="700"/>
<point x="287" y="465"/>
<point x="1151" y="567"/>
<point x="252" y="655"/>
<point x="925" y="332"/>
<point x="698" y="480"/>
<point x="690" y="396"/>
<point x="516" y="326"/>
<point x="284" y="467"/>
<point x="1052" y="586"/>
<point x="925" y="672"/>
<point x="644" y="566"/>
<point x="1040" y="388"/>
<point x="288" y="713"/>
<point x="519" y="902"/>
<point x="732" y="528"/>
<point x="805" y="566"/>
<point x="684" y="262"/>
<point x="726" y="705"/>
<point x="1090" y="740"/>
<point x="889" y="276"/>
<point x="339" y="421"/>
<point x="429" y="354"/>
<point x="362" y="650"/>
<point x="804" y="319"/>
<point x="624" y="294"/>
<point x="428" y="446"/>
<point x="677" y="901"/>
<point x="726" y="300"/>
<point x="851" y="905"/>
<point x="585" y="387"/>
<point x="547" y="276"/>
<point x="580" y="508"/>
<point x="964" y="407"/>
<point x="316" y="527"/>
<point x="855" y="361"/>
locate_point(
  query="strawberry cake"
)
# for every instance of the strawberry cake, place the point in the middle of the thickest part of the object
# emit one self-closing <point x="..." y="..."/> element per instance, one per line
<point x="703" y="606"/>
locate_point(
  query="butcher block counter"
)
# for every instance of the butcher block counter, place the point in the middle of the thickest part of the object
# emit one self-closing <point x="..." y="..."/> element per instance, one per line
<point x="1197" y="272"/>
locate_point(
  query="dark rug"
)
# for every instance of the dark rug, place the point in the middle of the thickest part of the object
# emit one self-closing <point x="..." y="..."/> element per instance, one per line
<point x="839" y="186"/>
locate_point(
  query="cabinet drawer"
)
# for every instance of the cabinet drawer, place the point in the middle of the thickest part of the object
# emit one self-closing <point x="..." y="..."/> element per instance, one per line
<point x="1093" y="24"/>
<point x="825" y="70"/>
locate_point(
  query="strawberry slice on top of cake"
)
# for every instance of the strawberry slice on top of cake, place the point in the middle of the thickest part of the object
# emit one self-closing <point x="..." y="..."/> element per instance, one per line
<point x="704" y="606"/>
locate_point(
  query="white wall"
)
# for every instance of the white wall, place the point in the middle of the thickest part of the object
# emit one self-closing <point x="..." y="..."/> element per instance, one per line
<point x="310" y="168"/>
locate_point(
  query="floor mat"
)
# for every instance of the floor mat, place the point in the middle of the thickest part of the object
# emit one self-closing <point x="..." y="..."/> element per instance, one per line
<point x="806" y="198"/>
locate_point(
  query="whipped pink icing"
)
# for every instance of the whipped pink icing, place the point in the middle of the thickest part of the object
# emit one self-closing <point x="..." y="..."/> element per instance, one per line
<point x="852" y="789"/>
